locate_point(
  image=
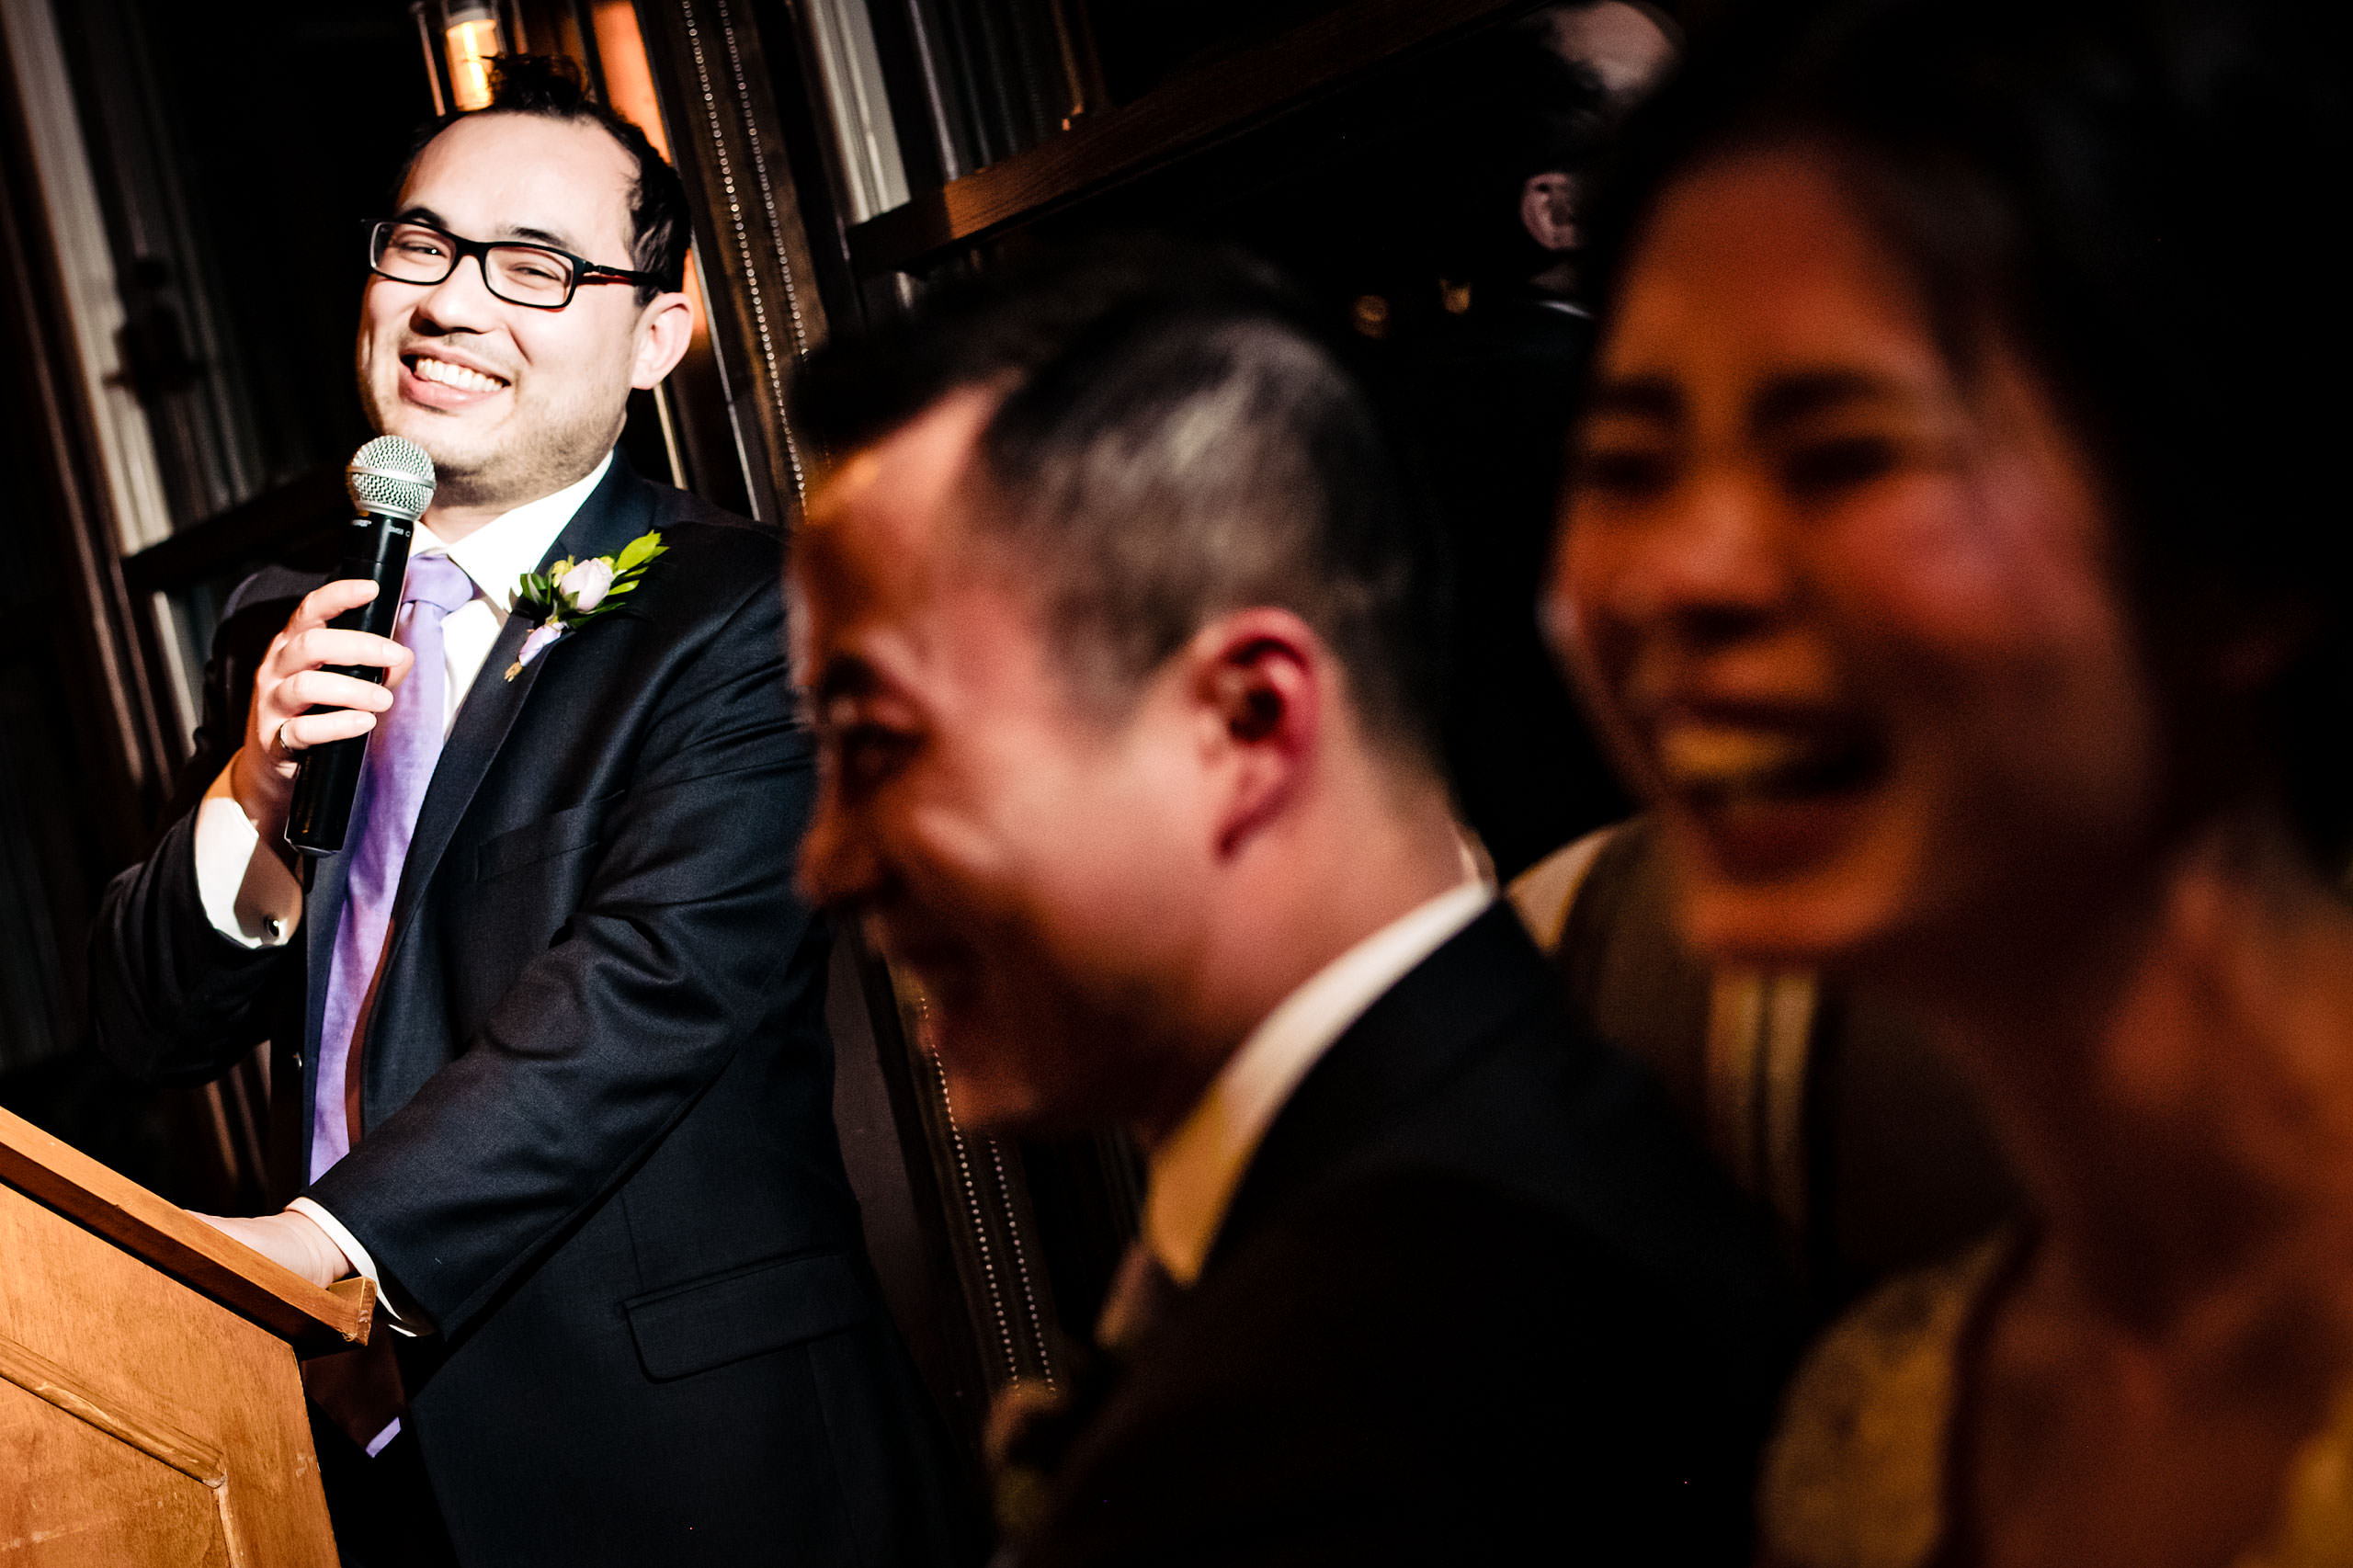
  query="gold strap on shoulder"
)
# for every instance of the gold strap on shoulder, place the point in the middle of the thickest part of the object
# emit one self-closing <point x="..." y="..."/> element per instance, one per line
<point x="1760" y="1032"/>
<point x="1545" y="893"/>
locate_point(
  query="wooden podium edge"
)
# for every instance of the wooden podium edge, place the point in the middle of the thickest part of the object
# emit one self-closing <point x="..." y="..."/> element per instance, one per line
<point x="174" y="1241"/>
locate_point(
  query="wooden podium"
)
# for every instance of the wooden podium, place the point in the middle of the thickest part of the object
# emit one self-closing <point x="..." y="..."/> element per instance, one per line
<point x="151" y="1411"/>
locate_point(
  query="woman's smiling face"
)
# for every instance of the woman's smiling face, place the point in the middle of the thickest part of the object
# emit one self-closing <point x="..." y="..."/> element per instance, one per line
<point x="1849" y="615"/>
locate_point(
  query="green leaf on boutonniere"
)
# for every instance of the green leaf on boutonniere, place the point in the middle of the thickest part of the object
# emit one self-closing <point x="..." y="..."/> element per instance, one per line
<point x="638" y="552"/>
<point x="545" y="599"/>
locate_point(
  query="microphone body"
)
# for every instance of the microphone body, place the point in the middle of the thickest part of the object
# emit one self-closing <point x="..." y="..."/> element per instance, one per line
<point x="390" y="481"/>
<point x="376" y="549"/>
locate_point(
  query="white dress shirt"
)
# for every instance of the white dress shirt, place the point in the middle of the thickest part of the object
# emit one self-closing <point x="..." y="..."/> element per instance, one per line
<point x="249" y="894"/>
<point x="1194" y="1172"/>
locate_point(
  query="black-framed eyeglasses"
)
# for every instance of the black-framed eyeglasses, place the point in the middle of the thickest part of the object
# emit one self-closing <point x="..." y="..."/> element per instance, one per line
<point x="517" y="272"/>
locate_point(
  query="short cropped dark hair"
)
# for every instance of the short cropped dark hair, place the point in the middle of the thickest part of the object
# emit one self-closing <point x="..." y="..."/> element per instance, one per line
<point x="549" y="86"/>
<point x="2137" y="194"/>
<point x="1177" y="437"/>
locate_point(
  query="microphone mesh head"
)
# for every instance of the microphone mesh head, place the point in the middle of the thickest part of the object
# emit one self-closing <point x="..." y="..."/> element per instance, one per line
<point x="391" y="475"/>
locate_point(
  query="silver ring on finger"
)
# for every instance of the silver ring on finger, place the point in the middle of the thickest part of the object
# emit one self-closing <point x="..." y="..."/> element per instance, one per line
<point x="281" y="737"/>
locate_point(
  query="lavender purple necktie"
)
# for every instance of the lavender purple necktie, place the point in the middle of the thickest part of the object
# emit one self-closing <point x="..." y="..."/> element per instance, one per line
<point x="402" y="751"/>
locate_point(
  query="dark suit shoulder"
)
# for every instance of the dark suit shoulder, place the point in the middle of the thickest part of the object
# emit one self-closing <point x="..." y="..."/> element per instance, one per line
<point x="714" y="560"/>
<point x="676" y="508"/>
<point x="1400" y="1253"/>
<point x="1472" y="1063"/>
<point x="276" y="584"/>
<point x="1547" y="1110"/>
<point x="1417" y="1365"/>
<point x="1543" y="1123"/>
<point x="683" y="516"/>
<point x="1477" y="1278"/>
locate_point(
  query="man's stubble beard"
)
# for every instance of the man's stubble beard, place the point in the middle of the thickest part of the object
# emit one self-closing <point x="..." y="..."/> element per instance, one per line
<point x="505" y="480"/>
<point x="516" y="470"/>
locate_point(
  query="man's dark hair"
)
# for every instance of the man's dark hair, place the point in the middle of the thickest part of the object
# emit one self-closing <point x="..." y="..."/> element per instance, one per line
<point x="2139" y="195"/>
<point x="1175" y="438"/>
<point x="549" y="86"/>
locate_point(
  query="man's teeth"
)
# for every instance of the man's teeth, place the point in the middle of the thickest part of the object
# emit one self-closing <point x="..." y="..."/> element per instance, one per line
<point x="1727" y="756"/>
<point x="457" y="375"/>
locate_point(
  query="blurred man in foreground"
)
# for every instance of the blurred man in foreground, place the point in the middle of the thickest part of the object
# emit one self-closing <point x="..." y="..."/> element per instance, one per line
<point x="1112" y="626"/>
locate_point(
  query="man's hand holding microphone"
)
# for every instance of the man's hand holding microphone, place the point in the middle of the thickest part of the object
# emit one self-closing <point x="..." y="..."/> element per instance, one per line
<point x="300" y="701"/>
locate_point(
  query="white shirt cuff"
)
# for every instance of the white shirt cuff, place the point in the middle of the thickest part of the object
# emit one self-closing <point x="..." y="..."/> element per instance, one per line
<point x="249" y="894"/>
<point x="362" y="1264"/>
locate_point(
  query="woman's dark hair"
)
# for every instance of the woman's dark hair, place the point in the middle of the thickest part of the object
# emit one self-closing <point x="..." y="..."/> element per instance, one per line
<point x="549" y="87"/>
<point x="2139" y="195"/>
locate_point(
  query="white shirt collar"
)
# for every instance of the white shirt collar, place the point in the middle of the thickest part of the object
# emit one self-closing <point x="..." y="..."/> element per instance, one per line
<point x="495" y="555"/>
<point x="1195" y="1171"/>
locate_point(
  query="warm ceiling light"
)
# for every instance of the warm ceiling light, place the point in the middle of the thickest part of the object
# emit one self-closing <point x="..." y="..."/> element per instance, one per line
<point x="471" y="30"/>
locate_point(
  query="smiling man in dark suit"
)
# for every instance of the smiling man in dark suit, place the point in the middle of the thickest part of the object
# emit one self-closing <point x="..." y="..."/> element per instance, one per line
<point x="554" y="1016"/>
<point x="1112" y="624"/>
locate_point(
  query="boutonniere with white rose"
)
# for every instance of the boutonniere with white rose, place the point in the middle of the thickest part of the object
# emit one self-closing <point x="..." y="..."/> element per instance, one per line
<point x="571" y="591"/>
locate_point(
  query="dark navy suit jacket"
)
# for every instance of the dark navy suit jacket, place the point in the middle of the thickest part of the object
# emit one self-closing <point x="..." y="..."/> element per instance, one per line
<point x="1478" y="1300"/>
<point x="599" y="1150"/>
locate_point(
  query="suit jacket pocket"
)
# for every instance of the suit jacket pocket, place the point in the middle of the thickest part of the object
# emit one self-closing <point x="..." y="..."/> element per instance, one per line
<point x="576" y="828"/>
<point x="747" y="1312"/>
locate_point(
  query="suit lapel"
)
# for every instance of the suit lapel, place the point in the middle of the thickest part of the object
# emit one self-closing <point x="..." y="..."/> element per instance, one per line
<point x="616" y="511"/>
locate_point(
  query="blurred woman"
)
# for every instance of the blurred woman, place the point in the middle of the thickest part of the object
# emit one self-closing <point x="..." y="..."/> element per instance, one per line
<point x="1957" y="554"/>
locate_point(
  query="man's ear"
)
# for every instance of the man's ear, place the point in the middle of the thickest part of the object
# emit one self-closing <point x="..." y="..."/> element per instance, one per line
<point x="1261" y="679"/>
<point x="1548" y="209"/>
<point x="664" y="328"/>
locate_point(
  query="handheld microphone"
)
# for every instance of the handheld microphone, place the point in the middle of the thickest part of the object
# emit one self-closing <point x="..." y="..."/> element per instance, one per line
<point x="390" y="481"/>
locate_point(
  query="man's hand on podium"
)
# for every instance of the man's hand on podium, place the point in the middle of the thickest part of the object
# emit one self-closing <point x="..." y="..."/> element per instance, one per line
<point x="292" y="1240"/>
